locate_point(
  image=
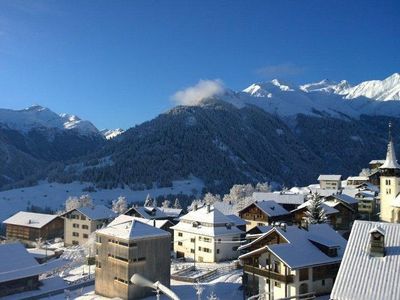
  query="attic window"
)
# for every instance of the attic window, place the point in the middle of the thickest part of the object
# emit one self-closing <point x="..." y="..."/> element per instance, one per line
<point x="195" y="224"/>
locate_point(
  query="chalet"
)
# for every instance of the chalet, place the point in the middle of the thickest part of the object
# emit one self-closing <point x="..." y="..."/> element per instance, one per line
<point x="288" y="200"/>
<point x="367" y="204"/>
<point x="126" y="247"/>
<point x="348" y="211"/>
<point x="148" y="212"/>
<point x="369" y="269"/>
<point x="81" y="222"/>
<point x="300" y="213"/>
<point x="330" y="183"/>
<point x="292" y="262"/>
<point x="28" y="226"/>
<point x="206" y="235"/>
<point x="376" y="163"/>
<point x="356" y="180"/>
<point x="20" y="272"/>
<point x="263" y="213"/>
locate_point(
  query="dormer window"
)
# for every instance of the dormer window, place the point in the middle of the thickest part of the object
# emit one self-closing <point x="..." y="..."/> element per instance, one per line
<point x="195" y="224"/>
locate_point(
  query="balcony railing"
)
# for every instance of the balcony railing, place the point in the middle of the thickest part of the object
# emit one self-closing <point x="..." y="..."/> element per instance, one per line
<point x="268" y="274"/>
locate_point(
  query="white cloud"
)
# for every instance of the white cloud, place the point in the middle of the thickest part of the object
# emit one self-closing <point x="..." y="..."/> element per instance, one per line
<point x="202" y="90"/>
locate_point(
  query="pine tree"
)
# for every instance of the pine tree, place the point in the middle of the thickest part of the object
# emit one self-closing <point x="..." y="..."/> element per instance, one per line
<point x="315" y="214"/>
<point x="177" y="204"/>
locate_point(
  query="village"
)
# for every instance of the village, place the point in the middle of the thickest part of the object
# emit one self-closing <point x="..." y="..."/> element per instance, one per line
<point x="323" y="241"/>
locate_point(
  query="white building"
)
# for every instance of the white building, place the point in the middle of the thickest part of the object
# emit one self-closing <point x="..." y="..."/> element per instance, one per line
<point x="390" y="185"/>
<point x="292" y="262"/>
<point x="81" y="222"/>
<point x="331" y="183"/>
<point x="206" y="235"/>
<point x="371" y="263"/>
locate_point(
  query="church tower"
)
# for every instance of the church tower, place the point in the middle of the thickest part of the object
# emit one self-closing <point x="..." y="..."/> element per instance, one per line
<point x="390" y="184"/>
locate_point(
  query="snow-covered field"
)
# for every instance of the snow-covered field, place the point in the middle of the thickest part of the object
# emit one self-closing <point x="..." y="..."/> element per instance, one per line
<point x="53" y="195"/>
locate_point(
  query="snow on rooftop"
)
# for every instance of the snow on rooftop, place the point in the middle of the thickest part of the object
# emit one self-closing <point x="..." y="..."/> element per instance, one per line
<point x="30" y="219"/>
<point x="330" y="177"/>
<point x="97" y="212"/>
<point x="329" y="210"/>
<point x="280" y="197"/>
<point x="357" y="178"/>
<point x="127" y="228"/>
<point x="211" y="216"/>
<point x="171" y="212"/>
<point x="270" y="208"/>
<point x="149" y="212"/>
<point x="299" y="251"/>
<point x="364" y="277"/>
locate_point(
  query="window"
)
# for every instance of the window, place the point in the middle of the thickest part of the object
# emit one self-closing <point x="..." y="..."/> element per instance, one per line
<point x="277" y="284"/>
<point x="192" y="240"/>
<point x="191" y="250"/>
<point x="75" y="234"/>
<point x="303" y="274"/>
<point x="85" y="236"/>
<point x="207" y="250"/>
<point x="83" y="218"/>
<point x="206" y="239"/>
<point x="85" y="227"/>
<point x="323" y="282"/>
<point x="179" y="243"/>
<point x="98" y="239"/>
<point x="217" y="251"/>
<point x="277" y="266"/>
<point x="74" y="225"/>
<point x="180" y="234"/>
<point x="75" y="243"/>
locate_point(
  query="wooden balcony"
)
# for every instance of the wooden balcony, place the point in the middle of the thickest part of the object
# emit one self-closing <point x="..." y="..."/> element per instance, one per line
<point x="268" y="274"/>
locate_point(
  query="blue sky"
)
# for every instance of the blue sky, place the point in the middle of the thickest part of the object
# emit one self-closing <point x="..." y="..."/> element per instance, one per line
<point x="117" y="63"/>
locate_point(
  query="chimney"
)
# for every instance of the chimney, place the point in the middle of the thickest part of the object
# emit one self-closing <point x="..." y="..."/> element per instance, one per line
<point x="195" y="207"/>
<point x="154" y="222"/>
<point x="283" y="226"/>
<point x="208" y="208"/>
<point x="377" y="242"/>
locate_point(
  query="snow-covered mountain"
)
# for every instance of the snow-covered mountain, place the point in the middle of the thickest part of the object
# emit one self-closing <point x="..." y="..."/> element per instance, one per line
<point x="111" y="133"/>
<point x="327" y="98"/>
<point x="38" y="117"/>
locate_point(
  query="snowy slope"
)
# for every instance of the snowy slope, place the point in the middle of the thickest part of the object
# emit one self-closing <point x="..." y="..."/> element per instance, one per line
<point x="40" y="117"/>
<point x="111" y="133"/>
<point x="53" y="195"/>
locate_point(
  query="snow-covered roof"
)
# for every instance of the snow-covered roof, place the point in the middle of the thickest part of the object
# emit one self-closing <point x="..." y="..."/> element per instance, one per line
<point x="270" y="208"/>
<point x="364" y="277"/>
<point x="171" y="212"/>
<point x="208" y="221"/>
<point x="300" y="250"/>
<point x="377" y="161"/>
<point x="346" y="199"/>
<point x="30" y="219"/>
<point x="14" y="257"/>
<point x="329" y="210"/>
<point x="204" y="215"/>
<point x="350" y="191"/>
<point x="127" y="228"/>
<point x="97" y="212"/>
<point x="280" y="197"/>
<point x="237" y="220"/>
<point x="157" y="223"/>
<point x="330" y="177"/>
<point x="149" y="212"/>
<point x="357" y="178"/>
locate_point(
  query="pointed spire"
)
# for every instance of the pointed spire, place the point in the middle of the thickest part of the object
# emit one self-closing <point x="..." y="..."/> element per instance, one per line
<point x="391" y="161"/>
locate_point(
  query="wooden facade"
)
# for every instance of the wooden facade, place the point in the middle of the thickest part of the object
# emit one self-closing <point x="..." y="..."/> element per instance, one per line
<point x="53" y="229"/>
<point x="19" y="285"/>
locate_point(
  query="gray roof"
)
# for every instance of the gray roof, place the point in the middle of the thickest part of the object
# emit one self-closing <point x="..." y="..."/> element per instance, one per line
<point x="97" y="212"/>
<point x="330" y="177"/>
<point x="281" y="198"/>
<point x="364" y="277"/>
<point x="271" y="208"/>
<point x="149" y="212"/>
